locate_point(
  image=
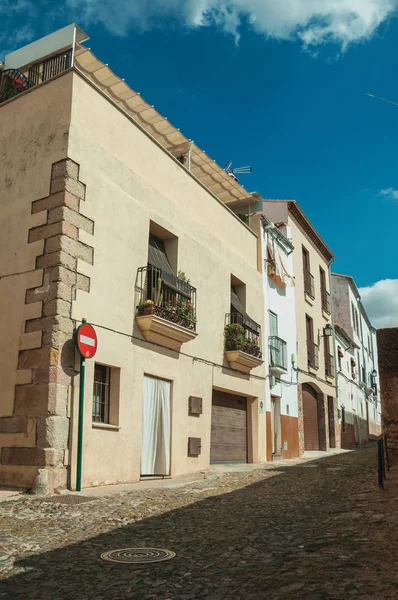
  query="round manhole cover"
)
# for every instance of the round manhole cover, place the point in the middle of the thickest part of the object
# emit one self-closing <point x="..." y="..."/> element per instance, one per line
<point x="138" y="555"/>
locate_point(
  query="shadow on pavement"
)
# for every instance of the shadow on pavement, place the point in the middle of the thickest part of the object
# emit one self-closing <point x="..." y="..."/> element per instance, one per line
<point x="282" y="537"/>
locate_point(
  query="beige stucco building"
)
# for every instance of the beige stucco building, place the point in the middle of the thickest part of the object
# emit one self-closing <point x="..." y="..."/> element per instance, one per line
<point x="103" y="219"/>
<point x="317" y="407"/>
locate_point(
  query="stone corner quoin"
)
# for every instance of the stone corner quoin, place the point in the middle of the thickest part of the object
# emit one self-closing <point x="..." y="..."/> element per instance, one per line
<point x="46" y="364"/>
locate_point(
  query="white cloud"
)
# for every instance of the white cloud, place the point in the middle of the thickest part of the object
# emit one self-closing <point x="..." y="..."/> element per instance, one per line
<point x="389" y="193"/>
<point x="12" y="36"/>
<point x="311" y="21"/>
<point x="381" y="302"/>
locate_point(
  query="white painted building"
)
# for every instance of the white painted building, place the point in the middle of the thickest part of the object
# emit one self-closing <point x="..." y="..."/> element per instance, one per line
<point x="357" y="362"/>
<point x="280" y="341"/>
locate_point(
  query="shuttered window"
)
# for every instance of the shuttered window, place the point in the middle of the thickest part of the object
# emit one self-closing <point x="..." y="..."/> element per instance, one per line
<point x="157" y="256"/>
<point x="237" y="307"/>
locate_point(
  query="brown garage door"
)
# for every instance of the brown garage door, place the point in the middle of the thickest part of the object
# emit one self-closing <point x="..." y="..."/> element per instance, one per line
<point x="310" y="415"/>
<point x="228" y="428"/>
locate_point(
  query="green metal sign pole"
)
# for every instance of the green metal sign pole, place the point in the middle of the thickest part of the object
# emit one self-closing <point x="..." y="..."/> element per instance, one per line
<point x="80" y="429"/>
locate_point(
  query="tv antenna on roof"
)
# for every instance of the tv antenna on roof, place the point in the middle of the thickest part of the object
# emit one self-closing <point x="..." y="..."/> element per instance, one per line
<point x="238" y="170"/>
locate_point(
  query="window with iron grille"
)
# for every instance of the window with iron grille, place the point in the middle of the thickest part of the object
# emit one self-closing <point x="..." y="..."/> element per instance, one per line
<point x="325" y="295"/>
<point x="312" y="348"/>
<point x="329" y="358"/>
<point x="101" y="393"/>
<point x="309" y="287"/>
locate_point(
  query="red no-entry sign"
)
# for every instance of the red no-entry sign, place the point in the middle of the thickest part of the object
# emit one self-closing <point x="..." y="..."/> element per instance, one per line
<point x="86" y="340"/>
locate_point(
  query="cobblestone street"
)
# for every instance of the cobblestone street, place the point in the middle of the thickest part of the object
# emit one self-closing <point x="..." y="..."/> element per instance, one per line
<point x="315" y="530"/>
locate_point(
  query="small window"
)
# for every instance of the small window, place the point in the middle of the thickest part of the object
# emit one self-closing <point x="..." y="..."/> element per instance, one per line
<point x="309" y="328"/>
<point x="322" y="278"/>
<point x="355" y="318"/>
<point x="306" y="259"/>
<point x="101" y="394"/>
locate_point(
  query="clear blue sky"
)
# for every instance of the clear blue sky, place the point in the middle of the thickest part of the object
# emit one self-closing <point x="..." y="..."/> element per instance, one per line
<point x="303" y="122"/>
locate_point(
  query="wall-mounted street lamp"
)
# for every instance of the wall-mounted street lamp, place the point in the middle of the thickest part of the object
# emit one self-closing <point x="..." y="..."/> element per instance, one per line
<point x="327" y="332"/>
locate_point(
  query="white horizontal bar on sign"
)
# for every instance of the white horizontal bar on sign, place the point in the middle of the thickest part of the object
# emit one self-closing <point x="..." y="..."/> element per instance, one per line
<point x="86" y="340"/>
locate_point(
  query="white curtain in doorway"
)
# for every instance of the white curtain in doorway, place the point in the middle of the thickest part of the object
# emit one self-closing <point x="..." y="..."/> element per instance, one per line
<point x="155" y="445"/>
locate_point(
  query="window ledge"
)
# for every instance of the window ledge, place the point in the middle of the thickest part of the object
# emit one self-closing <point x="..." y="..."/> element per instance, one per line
<point x="97" y="425"/>
<point x="309" y="299"/>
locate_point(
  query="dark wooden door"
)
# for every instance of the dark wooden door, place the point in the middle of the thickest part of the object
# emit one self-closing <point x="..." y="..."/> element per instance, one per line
<point x="228" y="428"/>
<point x="310" y="416"/>
<point x="332" y="433"/>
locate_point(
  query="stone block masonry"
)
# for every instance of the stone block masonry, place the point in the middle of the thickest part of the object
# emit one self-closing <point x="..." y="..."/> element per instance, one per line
<point x="35" y="439"/>
<point x="387" y="345"/>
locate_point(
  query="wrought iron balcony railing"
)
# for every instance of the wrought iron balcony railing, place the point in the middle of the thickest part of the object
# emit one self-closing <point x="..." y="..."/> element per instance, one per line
<point x="313" y="354"/>
<point x="242" y="333"/>
<point x="51" y="67"/>
<point x="329" y="365"/>
<point x="277" y="353"/>
<point x="309" y="287"/>
<point x="165" y="295"/>
<point x="325" y="298"/>
<point x="12" y="83"/>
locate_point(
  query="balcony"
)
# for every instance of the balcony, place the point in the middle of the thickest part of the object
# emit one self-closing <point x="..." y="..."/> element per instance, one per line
<point x="313" y="355"/>
<point x="242" y="342"/>
<point x="277" y="355"/>
<point x="329" y="365"/>
<point x="309" y="287"/>
<point x="14" y="82"/>
<point x="325" y="298"/>
<point x="165" y="308"/>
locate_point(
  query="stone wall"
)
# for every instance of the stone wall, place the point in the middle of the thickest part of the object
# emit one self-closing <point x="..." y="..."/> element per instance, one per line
<point x="35" y="439"/>
<point x="387" y="343"/>
<point x="341" y="303"/>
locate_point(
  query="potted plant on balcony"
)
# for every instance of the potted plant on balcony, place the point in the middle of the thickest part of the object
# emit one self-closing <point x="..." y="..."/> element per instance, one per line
<point x="234" y="337"/>
<point x="242" y="354"/>
<point x="145" y="307"/>
<point x="148" y="307"/>
<point x="252" y="347"/>
<point x="186" y="313"/>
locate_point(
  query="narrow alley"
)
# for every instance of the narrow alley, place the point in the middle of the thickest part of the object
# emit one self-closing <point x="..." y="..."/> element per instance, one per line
<point x="318" y="529"/>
